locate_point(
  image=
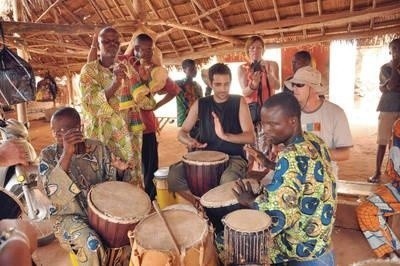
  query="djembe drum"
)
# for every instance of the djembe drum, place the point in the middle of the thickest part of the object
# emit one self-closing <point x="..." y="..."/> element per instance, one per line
<point x="203" y="170"/>
<point x="246" y="236"/>
<point x="152" y="245"/>
<point x="114" y="209"/>
<point x="220" y="201"/>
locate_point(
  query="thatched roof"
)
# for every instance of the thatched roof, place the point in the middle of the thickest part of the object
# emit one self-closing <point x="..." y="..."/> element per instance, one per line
<point x="56" y="34"/>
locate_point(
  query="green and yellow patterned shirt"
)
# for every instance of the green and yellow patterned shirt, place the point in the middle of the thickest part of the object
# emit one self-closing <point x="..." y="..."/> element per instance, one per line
<point x="301" y="200"/>
<point x="188" y="94"/>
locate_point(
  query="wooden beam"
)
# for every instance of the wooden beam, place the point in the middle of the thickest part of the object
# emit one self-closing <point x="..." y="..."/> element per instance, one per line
<point x="215" y="50"/>
<point x="98" y="11"/>
<point x="334" y="22"/>
<point x="138" y="9"/>
<point x="220" y="15"/>
<point x="130" y="8"/>
<point x="70" y="13"/>
<point x="197" y="18"/>
<point x="202" y="10"/>
<point x="364" y="34"/>
<point x="367" y="13"/>
<point x="351" y="11"/>
<point x="195" y="29"/>
<point x="48" y="28"/>
<point x="276" y="11"/>
<point x="120" y="10"/>
<point x="302" y="16"/>
<point x="246" y="5"/>
<point x="48" y="9"/>
<point x="158" y="16"/>
<point x="371" y="24"/>
<point x="177" y="20"/>
<point x="201" y="23"/>
<point x="319" y="7"/>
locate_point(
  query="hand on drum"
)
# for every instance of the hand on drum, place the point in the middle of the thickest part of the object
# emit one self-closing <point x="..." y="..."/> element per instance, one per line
<point x="193" y="144"/>
<point x="119" y="164"/>
<point x="244" y="193"/>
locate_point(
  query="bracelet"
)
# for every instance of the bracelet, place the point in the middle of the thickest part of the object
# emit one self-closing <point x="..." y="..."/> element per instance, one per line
<point x="93" y="46"/>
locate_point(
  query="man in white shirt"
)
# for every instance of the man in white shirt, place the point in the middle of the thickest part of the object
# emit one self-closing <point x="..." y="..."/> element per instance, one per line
<point x="318" y="115"/>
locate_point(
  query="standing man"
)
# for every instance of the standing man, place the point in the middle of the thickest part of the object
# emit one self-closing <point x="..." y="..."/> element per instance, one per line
<point x="325" y="119"/>
<point x="189" y="93"/>
<point x="143" y="50"/>
<point x="224" y="125"/>
<point x="389" y="104"/>
<point x="301" y="199"/>
<point x="99" y="83"/>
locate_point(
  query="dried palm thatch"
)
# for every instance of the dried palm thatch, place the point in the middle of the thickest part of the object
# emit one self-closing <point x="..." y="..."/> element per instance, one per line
<point x="57" y="33"/>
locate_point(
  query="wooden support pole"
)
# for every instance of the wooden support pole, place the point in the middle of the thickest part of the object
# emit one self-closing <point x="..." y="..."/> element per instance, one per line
<point x="22" y="114"/>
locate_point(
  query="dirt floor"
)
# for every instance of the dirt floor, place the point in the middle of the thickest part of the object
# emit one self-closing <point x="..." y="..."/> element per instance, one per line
<point x="349" y="244"/>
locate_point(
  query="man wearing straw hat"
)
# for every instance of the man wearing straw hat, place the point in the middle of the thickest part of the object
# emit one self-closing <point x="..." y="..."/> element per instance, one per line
<point x="320" y="116"/>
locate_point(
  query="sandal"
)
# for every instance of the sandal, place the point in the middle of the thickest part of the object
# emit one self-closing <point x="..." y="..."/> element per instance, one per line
<point x="374" y="179"/>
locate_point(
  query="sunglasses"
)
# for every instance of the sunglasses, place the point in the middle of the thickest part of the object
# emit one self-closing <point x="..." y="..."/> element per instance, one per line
<point x="298" y="85"/>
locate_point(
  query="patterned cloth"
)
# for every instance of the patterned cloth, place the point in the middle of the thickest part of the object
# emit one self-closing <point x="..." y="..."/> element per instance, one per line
<point x="301" y="200"/>
<point x="385" y="202"/>
<point x="106" y="122"/>
<point x="189" y="93"/>
<point x="68" y="192"/>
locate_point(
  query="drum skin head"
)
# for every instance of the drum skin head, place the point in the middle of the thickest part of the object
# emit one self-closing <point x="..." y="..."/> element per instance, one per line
<point x="223" y="196"/>
<point x="120" y="201"/>
<point x="187" y="227"/>
<point x="198" y="157"/>
<point x="247" y="220"/>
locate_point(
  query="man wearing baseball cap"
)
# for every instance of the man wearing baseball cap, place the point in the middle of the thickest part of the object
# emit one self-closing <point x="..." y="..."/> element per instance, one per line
<point x="318" y="115"/>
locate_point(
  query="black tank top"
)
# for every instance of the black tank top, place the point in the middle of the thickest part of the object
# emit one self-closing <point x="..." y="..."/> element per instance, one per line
<point x="228" y="113"/>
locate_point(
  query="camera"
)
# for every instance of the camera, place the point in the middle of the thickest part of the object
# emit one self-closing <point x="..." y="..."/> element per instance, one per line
<point x="256" y="66"/>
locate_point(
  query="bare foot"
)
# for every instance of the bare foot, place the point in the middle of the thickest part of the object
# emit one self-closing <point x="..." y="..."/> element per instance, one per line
<point x="374" y="179"/>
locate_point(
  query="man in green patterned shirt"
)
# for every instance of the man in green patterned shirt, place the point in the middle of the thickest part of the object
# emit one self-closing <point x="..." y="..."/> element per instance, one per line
<point x="301" y="199"/>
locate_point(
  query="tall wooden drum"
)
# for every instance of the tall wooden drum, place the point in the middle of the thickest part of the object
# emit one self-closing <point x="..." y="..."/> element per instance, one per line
<point x="203" y="170"/>
<point x="114" y="209"/>
<point x="246" y="236"/>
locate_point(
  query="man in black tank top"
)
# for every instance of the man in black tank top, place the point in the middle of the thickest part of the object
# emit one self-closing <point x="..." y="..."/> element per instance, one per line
<point x="224" y="125"/>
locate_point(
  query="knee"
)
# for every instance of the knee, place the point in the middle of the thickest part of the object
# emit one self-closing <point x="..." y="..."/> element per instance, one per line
<point x="366" y="209"/>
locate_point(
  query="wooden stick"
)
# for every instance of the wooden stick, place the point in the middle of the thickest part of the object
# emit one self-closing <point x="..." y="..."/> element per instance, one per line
<point x="159" y="212"/>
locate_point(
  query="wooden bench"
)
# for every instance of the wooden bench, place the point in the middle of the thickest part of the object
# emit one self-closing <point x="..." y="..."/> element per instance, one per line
<point x="350" y="195"/>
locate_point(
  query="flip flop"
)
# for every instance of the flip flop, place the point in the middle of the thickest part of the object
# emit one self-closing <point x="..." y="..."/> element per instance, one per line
<point x="374" y="179"/>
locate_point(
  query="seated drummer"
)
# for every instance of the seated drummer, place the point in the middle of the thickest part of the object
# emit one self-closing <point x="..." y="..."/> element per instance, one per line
<point x="301" y="199"/>
<point x="224" y="125"/>
<point x="68" y="169"/>
<point x="372" y="213"/>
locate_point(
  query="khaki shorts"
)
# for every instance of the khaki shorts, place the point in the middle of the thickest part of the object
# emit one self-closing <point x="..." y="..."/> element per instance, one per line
<point x="385" y="123"/>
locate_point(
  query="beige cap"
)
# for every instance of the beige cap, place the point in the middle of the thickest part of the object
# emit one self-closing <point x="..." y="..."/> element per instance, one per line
<point x="307" y="75"/>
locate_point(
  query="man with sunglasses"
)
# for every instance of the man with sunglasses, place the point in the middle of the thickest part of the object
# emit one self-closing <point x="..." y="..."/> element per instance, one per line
<point x="319" y="116"/>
